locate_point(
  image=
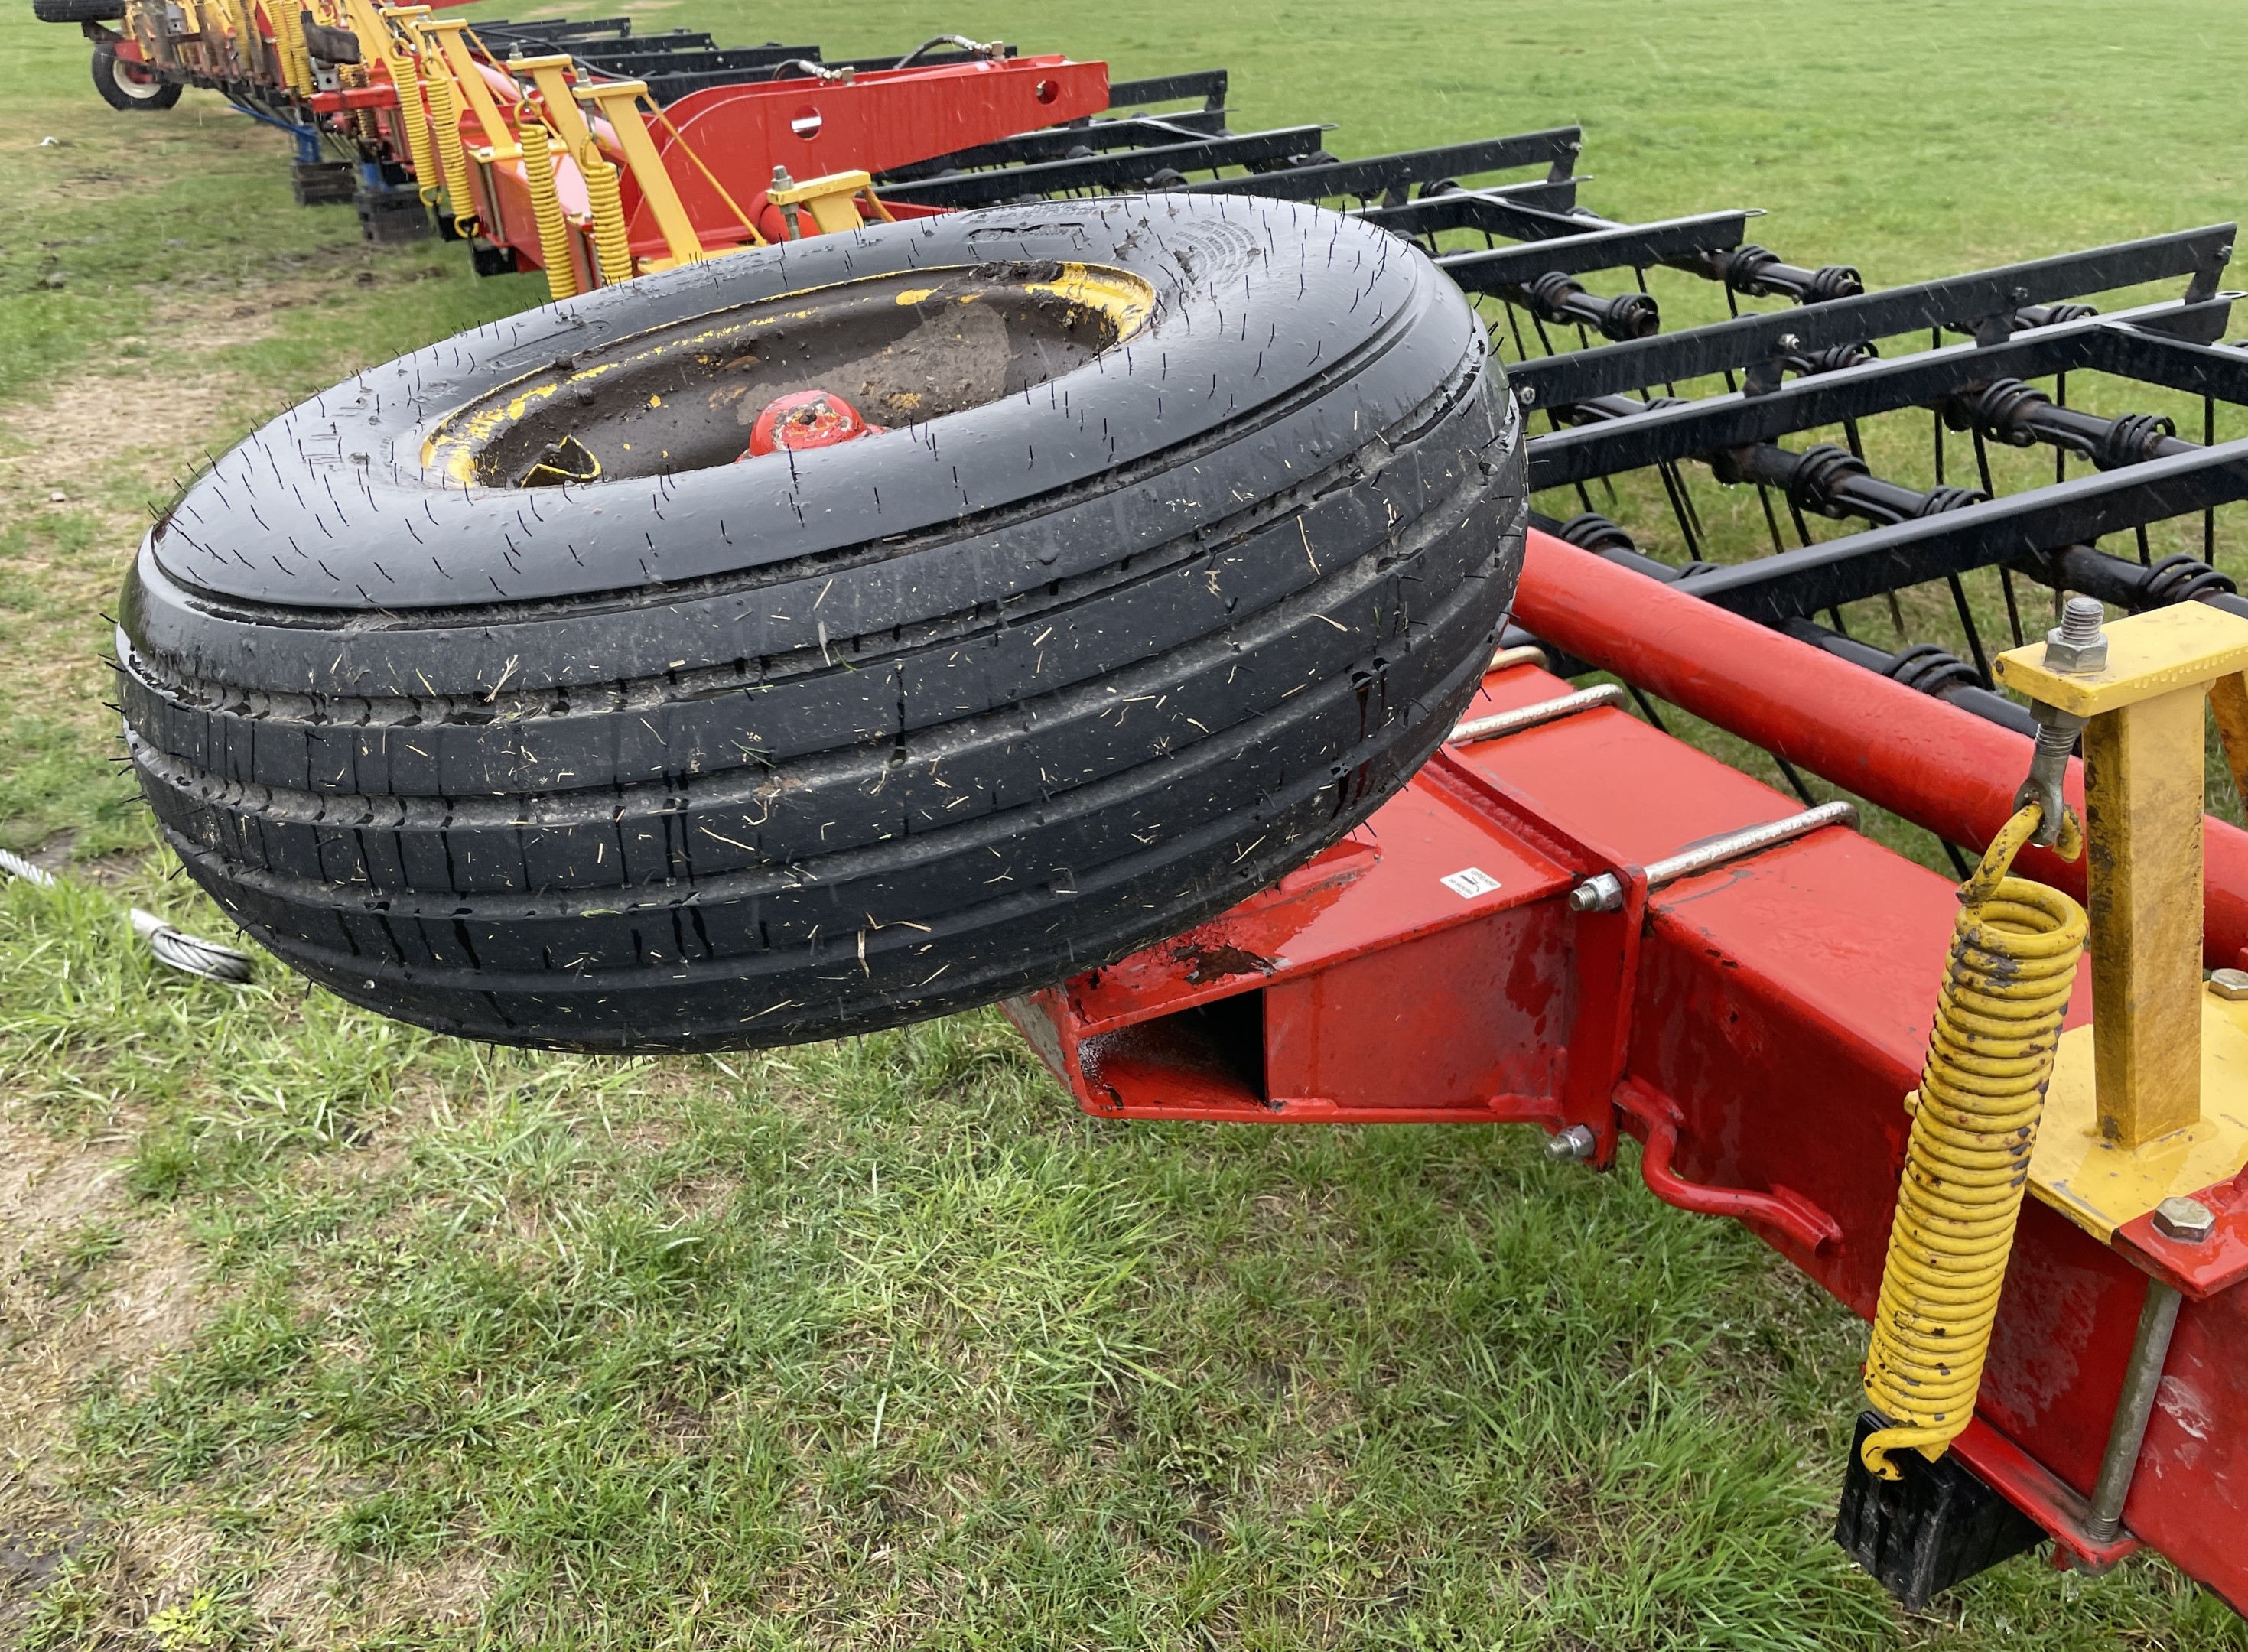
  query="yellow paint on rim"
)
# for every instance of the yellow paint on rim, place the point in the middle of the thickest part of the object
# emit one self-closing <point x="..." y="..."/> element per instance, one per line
<point x="458" y="438"/>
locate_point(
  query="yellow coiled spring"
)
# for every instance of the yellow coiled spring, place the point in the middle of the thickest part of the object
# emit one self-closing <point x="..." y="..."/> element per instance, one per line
<point x="445" y="126"/>
<point x="407" y="79"/>
<point x="611" y="248"/>
<point x="289" y="46"/>
<point x="2014" y="953"/>
<point x="546" y="208"/>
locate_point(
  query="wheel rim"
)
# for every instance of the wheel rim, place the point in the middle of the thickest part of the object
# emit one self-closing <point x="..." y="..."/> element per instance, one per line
<point x="133" y="81"/>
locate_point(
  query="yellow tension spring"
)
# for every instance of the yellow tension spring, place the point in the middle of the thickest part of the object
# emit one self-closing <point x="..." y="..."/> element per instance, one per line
<point x="289" y="41"/>
<point x="2014" y="952"/>
<point x="445" y="126"/>
<point x="611" y="248"/>
<point x="546" y="209"/>
<point x="411" y="115"/>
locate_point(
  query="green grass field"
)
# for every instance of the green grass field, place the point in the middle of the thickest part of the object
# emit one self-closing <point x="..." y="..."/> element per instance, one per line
<point x="316" y="1331"/>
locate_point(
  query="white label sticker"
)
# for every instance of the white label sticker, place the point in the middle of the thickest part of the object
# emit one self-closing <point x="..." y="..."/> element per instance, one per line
<point x="1471" y="883"/>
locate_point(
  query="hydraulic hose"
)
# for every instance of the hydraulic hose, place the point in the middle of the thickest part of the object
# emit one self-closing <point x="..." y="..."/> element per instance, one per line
<point x="2014" y="953"/>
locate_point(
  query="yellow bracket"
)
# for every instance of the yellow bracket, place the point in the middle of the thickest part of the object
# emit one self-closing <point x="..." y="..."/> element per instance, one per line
<point x="449" y="36"/>
<point x="618" y="102"/>
<point x="833" y="201"/>
<point x="2152" y="1099"/>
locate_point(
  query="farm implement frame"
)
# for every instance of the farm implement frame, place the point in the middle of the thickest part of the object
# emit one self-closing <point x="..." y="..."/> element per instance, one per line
<point x="1568" y="918"/>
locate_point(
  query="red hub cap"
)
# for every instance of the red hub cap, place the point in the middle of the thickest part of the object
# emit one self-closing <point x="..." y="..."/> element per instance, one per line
<point x="806" y="419"/>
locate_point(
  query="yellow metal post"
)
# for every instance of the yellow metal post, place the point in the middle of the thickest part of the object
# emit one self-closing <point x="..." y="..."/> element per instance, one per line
<point x="618" y="102"/>
<point x="2152" y="1099"/>
<point x="2144" y="793"/>
<point x="448" y="36"/>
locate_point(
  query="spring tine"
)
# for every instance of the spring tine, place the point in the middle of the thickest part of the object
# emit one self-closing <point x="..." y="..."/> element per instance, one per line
<point x="2208" y="516"/>
<point x="2014" y="612"/>
<point x="1982" y="464"/>
<point x="1671" y="485"/>
<point x="2060" y="453"/>
<point x="1796" y="781"/>
<point x="1850" y="434"/>
<point x="1771" y="521"/>
<point x="1647" y="707"/>
<point x="1896" y="613"/>
<point x="1802" y="528"/>
<point x="1967" y="624"/>
<point x="2146" y="550"/>
<point x="1686" y="494"/>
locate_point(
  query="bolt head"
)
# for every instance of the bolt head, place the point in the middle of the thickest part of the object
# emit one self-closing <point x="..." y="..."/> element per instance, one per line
<point x="2075" y="658"/>
<point x="2189" y="1221"/>
<point x="2229" y="985"/>
<point x="1790" y="341"/>
<point x="1526" y="394"/>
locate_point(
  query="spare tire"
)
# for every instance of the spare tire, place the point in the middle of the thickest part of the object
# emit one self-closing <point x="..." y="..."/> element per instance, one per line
<point x="77" y="11"/>
<point x="1191" y="542"/>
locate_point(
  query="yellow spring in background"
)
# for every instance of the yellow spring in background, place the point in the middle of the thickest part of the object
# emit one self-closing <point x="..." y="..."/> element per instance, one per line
<point x="2014" y="953"/>
<point x="353" y="75"/>
<point x="289" y="35"/>
<point x="611" y="248"/>
<point x="407" y="79"/>
<point x="546" y="209"/>
<point x="445" y="127"/>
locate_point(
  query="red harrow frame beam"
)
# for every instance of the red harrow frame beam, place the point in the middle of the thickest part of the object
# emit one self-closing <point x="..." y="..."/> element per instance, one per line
<point x="1567" y="918"/>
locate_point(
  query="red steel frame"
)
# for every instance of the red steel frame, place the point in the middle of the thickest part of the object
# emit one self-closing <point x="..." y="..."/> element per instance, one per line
<point x="1756" y="1027"/>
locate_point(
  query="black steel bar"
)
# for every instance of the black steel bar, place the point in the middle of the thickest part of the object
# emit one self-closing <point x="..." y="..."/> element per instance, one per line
<point x="1556" y="148"/>
<point x="1123" y="170"/>
<point x="1493" y="211"/>
<point x="1055" y="143"/>
<point x="2004" y="530"/>
<point x="1209" y="84"/>
<point x="1987" y="298"/>
<point x="558" y="31"/>
<point x="1627" y="247"/>
<point x="1679" y="429"/>
<point x="2199" y="369"/>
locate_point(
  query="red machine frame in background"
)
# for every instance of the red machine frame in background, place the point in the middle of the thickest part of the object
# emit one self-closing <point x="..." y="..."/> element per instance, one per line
<point x="1754" y="1026"/>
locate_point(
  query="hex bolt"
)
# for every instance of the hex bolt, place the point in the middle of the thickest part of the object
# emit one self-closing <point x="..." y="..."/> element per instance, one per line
<point x="1526" y="394"/>
<point x="2077" y="644"/>
<point x="2229" y="985"/>
<point x="1572" y="1145"/>
<point x="1790" y="341"/>
<point x="2188" y="1221"/>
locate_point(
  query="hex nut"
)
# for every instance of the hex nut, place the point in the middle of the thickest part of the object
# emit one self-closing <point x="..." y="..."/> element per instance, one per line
<point x="2229" y="985"/>
<point x="2187" y="1220"/>
<point x="1572" y="1145"/>
<point x="2074" y="658"/>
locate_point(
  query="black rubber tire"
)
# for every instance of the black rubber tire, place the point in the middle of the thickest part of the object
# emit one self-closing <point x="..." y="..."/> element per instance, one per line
<point x="77" y="11"/>
<point x="120" y="90"/>
<point x="978" y="705"/>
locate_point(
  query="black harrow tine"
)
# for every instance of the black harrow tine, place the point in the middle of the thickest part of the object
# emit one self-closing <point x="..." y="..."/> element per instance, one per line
<point x="1967" y="624"/>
